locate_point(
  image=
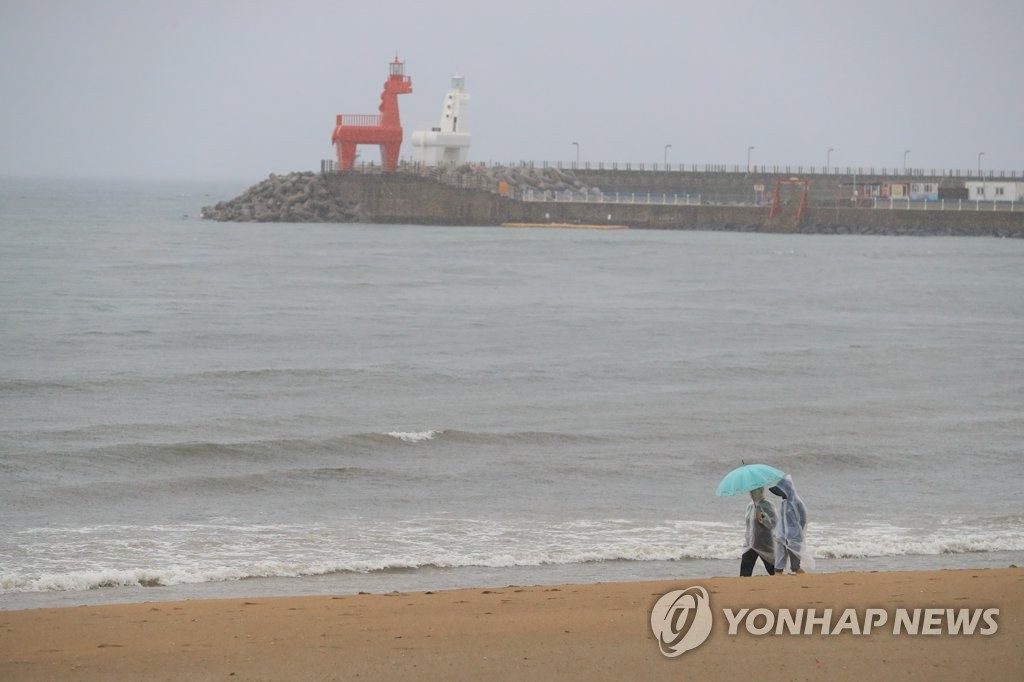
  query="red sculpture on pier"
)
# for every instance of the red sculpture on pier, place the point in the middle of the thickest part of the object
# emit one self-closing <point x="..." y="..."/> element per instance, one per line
<point x="776" y="207"/>
<point x="384" y="129"/>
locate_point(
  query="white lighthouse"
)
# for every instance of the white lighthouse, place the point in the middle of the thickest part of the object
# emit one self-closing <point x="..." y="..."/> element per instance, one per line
<point x="446" y="144"/>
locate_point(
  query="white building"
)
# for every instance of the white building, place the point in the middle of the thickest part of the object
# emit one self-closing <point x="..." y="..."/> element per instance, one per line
<point x="448" y="142"/>
<point x="995" y="190"/>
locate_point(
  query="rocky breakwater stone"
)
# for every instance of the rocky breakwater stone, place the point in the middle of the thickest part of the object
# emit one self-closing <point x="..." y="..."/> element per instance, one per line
<point x="548" y="179"/>
<point x="292" y="198"/>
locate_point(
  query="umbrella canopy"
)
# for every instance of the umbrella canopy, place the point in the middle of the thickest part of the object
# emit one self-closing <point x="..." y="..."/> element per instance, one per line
<point x="748" y="477"/>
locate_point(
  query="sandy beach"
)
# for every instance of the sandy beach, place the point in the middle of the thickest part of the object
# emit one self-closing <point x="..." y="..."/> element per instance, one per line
<point x="570" y="632"/>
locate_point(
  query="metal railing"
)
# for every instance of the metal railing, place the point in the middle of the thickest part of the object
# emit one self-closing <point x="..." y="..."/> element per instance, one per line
<point x="713" y="168"/>
<point x="567" y="196"/>
<point x="765" y="169"/>
<point x="907" y="204"/>
<point x="360" y="120"/>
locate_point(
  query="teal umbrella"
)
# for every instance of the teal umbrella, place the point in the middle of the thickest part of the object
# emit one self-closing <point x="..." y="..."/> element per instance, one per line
<point x="748" y="477"/>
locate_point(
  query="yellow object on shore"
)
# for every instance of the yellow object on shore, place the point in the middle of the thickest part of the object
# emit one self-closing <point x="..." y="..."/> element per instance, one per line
<point x="576" y="225"/>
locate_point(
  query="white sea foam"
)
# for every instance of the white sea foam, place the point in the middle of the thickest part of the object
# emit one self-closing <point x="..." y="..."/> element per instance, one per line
<point x="413" y="436"/>
<point x="94" y="557"/>
<point x="876" y="540"/>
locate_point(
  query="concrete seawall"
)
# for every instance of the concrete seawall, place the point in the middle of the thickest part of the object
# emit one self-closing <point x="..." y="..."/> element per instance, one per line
<point x="405" y="198"/>
<point x="397" y="198"/>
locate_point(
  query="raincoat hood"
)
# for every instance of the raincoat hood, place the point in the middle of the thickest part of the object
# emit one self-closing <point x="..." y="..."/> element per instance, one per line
<point x="784" y="489"/>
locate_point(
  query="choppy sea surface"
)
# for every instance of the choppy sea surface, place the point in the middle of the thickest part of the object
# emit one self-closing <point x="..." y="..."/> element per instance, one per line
<point x="197" y="409"/>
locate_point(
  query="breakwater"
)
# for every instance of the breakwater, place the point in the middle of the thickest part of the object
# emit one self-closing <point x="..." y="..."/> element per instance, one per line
<point x="495" y="195"/>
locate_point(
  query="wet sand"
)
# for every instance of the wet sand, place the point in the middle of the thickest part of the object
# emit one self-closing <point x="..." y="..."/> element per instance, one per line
<point x="567" y="632"/>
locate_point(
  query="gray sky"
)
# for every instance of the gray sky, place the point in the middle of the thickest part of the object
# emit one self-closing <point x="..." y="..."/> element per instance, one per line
<point x="240" y="89"/>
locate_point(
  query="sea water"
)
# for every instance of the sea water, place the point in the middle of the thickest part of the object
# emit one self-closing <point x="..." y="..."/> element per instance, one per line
<point x="200" y="409"/>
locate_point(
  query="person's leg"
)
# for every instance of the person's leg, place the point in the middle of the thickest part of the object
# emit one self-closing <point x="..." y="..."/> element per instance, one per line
<point x="780" y="557"/>
<point x="747" y="562"/>
<point x="794" y="562"/>
<point x="768" y="566"/>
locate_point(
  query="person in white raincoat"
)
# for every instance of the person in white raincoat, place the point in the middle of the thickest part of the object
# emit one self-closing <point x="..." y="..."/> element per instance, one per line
<point x="761" y="519"/>
<point x="789" y="531"/>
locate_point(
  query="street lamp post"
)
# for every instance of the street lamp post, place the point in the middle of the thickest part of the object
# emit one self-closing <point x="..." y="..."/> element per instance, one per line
<point x="828" y="159"/>
<point x="905" y="161"/>
<point x="577" y="144"/>
<point x="984" y="189"/>
<point x="749" y="149"/>
<point x="666" y="155"/>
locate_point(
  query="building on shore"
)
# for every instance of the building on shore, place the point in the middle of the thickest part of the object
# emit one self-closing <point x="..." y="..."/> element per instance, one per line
<point x="995" y="190"/>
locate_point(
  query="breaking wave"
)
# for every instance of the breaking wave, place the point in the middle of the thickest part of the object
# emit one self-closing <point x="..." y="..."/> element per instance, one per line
<point x="99" y="557"/>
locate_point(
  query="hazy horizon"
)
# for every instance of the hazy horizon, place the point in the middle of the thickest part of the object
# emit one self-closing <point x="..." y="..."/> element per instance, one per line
<point x="236" y="91"/>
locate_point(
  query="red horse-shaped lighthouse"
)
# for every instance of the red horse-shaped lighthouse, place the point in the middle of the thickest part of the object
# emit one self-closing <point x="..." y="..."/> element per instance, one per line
<point x="384" y="130"/>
